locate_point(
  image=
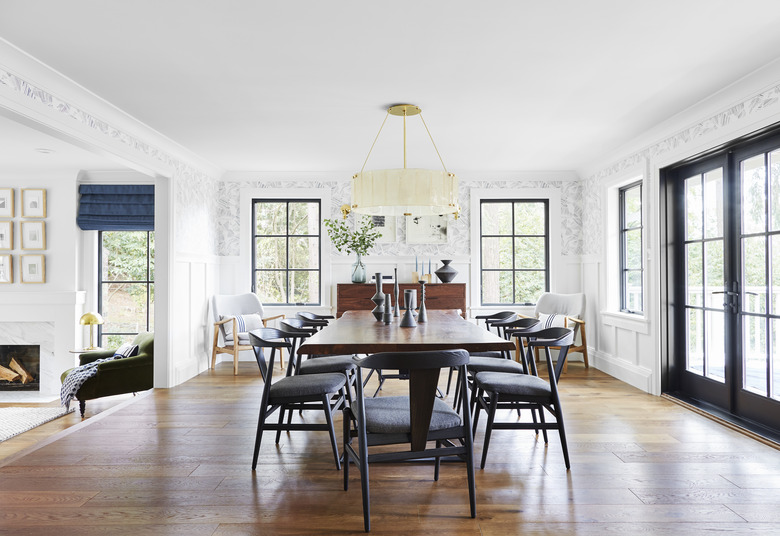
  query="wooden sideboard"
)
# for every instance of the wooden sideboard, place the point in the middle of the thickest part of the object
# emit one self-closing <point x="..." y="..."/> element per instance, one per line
<point x="357" y="297"/>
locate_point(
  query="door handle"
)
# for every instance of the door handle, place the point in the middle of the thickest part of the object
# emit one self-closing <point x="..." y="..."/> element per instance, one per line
<point x="732" y="297"/>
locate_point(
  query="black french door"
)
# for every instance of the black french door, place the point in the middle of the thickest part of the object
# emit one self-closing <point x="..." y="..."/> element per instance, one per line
<point x="723" y="229"/>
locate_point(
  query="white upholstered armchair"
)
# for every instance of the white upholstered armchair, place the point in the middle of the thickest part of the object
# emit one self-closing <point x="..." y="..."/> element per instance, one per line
<point x="565" y="310"/>
<point x="234" y="317"/>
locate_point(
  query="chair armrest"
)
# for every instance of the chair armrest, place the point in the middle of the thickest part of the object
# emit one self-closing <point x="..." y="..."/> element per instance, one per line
<point x="576" y="320"/>
<point x="89" y="357"/>
<point x="521" y="315"/>
<point x="141" y="360"/>
<point x="221" y="322"/>
<point x="265" y="320"/>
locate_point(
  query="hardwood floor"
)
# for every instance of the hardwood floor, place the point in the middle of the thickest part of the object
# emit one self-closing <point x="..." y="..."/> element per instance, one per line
<point x="178" y="462"/>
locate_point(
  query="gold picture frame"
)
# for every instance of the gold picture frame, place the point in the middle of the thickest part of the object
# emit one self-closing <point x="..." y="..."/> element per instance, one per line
<point x="33" y="234"/>
<point x="33" y="202"/>
<point x="6" y="269"/>
<point x="6" y="235"/>
<point x="33" y="268"/>
<point x="6" y="202"/>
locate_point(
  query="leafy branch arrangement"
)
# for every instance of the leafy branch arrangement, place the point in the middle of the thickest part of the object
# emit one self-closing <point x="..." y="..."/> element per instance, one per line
<point x="358" y="241"/>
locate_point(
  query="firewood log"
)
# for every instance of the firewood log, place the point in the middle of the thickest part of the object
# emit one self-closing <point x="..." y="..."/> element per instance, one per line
<point x="8" y="374"/>
<point x="18" y="367"/>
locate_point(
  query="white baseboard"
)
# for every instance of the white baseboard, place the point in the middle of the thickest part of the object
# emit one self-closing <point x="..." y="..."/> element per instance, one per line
<point x="639" y="377"/>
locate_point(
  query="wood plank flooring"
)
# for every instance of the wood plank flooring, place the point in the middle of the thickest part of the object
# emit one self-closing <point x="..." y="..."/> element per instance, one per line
<point x="178" y="462"/>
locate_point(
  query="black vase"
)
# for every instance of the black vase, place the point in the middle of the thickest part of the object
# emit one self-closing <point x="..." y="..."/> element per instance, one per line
<point x="395" y="295"/>
<point x="378" y="298"/>
<point x="422" y="315"/>
<point x="446" y="273"/>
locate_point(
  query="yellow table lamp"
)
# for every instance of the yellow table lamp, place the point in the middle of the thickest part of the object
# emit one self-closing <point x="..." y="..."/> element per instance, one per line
<point x="91" y="320"/>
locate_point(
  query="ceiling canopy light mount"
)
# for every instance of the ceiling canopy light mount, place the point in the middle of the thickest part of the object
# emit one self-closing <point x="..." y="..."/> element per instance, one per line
<point x="406" y="191"/>
<point x="407" y="110"/>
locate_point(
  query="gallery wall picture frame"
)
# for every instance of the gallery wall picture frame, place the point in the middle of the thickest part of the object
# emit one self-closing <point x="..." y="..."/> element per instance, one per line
<point x="33" y="268"/>
<point x="426" y="229"/>
<point x="33" y="202"/>
<point x="33" y="235"/>
<point x="6" y="269"/>
<point x="6" y="202"/>
<point x="383" y="224"/>
<point x="6" y="235"/>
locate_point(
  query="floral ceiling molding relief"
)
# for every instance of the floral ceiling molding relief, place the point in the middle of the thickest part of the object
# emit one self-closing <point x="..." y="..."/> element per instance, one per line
<point x="51" y="101"/>
<point x="189" y="183"/>
<point x="458" y="236"/>
<point x="592" y="203"/>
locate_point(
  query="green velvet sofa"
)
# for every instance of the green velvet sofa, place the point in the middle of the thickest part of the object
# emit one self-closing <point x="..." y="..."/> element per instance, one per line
<point x="126" y="375"/>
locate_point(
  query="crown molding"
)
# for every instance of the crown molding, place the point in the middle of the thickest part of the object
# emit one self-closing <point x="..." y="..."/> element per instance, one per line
<point x="43" y="98"/>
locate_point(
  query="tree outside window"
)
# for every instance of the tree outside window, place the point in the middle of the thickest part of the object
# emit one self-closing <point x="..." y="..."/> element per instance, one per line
<point x="631" y="271"/>
<point x="514" y="245"/>
<point x="126" y="285"/>
<point x="286" y="251"/>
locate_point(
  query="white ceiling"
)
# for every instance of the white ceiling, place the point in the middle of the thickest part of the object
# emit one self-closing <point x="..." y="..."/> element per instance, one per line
<point x="25" y="150"/>
<point x="303" y="85"/>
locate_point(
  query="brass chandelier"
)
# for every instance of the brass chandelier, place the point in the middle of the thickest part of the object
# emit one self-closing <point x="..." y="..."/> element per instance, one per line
<point x="406" y="191"/>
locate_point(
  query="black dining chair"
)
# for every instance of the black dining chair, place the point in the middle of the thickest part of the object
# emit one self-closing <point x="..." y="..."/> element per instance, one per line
<point x="413" y="420"/>
<point x="300" y="392"/>
<point x="314" y="320"/>
<point x="500" y="361"/>
<point x="297" y="331"/>
<point x="492" y="320"/>
<point x="502" y="390"/>
<point x="495" y="321"/>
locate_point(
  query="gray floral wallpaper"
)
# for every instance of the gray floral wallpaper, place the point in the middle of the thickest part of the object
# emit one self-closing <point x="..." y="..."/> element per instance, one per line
<point x="228" y="223"/>
<point x="196" y="208"/>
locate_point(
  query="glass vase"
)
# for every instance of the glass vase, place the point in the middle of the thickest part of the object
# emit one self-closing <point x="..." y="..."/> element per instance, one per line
<point x="358" y="271"/>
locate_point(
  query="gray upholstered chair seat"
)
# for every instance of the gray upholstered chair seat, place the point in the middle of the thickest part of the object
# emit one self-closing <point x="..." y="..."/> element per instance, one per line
<point x="390" y="415"/>
<point x="482" y="364"/>
<point x="334" y="363"/>
<point x="512" y="384"/>
<point x="308" y="385"/>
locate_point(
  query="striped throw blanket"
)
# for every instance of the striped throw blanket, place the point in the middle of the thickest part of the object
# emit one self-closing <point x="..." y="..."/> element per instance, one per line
<point x="76" y="379"/>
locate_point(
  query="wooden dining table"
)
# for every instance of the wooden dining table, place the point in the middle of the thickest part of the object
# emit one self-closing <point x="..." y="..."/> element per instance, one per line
<point x="358" y="332"/>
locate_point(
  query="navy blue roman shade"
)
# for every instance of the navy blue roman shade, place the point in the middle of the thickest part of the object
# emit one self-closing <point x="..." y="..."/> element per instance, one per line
<point x="116" y="207"/>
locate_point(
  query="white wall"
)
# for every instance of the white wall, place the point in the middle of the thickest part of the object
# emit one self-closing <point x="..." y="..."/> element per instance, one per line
<point x="58" y="300"/>
<point x="194" y="275"/>
<point x="629" y="346"/>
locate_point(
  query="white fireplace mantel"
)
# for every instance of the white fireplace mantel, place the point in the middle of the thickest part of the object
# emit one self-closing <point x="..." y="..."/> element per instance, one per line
<point x="25" y="316"/>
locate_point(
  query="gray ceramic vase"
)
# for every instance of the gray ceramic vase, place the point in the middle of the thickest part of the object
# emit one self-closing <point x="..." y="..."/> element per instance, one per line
<point x="446" y="273"/>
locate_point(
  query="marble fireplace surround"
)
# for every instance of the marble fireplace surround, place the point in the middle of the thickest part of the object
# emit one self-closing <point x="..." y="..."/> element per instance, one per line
<point x="48" y="320"/>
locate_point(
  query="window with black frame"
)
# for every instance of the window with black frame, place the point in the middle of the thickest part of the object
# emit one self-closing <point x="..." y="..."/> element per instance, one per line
<point x="286" y="251"/>
<point x="631" y="271"/>
<point x="515" y="251"/>
<point x="126" y="285"/>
